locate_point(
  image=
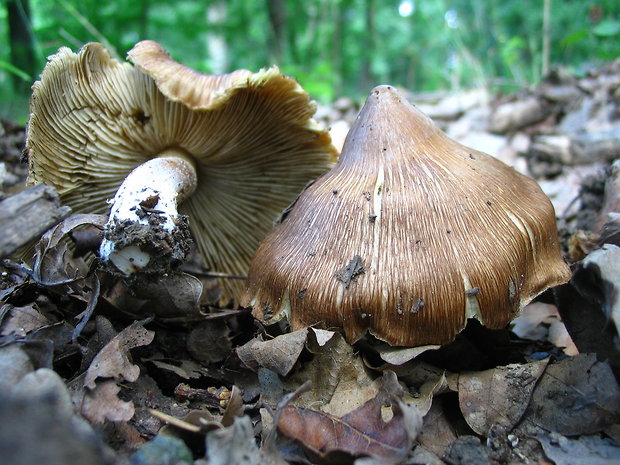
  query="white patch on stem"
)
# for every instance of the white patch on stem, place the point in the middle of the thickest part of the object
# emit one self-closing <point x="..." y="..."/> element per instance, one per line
<point x="155" y="187"/>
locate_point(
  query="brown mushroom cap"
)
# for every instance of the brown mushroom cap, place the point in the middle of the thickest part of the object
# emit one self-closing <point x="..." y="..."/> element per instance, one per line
<point x="409" y="235"/>
<point x="250" y="135"/>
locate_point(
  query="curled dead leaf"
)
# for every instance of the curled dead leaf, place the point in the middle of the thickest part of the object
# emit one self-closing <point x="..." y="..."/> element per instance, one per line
<point x="362" y="432"/>
<point x="113" y="360"/>
<point x="340" y="381"/>
<point x="278" y="354"/>
<point x="54" y="262"/>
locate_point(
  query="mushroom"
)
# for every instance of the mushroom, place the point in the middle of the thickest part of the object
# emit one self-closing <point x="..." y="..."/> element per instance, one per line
<point x="408" y="236"/>
<point x="230" y="151"/>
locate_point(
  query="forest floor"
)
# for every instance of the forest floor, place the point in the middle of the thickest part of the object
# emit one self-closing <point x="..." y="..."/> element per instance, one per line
<point x="88" y="377"/>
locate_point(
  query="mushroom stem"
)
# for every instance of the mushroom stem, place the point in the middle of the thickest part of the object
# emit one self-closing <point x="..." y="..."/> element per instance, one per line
<point x="145" y="232"/>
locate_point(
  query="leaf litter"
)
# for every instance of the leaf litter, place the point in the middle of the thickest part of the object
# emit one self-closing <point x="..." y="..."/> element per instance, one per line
<point x="160" y="373"/>
<point x="163" y="377"/>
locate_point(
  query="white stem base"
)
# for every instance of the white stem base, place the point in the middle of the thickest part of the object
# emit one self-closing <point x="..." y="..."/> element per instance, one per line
<point x="145" y="232"/>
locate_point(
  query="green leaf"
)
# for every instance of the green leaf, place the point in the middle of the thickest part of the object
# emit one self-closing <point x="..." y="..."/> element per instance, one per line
<point x="5" y="65"/>
<point x="607" y="28"/>
<point x="574" y="38"/>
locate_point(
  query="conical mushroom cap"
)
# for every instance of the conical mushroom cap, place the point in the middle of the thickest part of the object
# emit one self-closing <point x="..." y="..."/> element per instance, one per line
<point x="409" y="235"/>
<point x="251" y="136"/>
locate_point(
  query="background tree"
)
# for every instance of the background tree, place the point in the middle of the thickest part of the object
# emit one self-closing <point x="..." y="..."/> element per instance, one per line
<point x="22" y="44"/>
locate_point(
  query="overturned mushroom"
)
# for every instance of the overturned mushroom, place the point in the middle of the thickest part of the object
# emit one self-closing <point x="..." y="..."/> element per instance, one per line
<point x="408" y="236"/>
<point x="231" y="150"/>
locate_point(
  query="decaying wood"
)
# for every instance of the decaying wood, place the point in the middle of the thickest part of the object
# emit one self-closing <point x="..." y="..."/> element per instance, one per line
<point x="28" y="214"/>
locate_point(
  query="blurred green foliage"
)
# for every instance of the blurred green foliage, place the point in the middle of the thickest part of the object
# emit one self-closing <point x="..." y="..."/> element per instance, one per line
<point x="334" y="47"/>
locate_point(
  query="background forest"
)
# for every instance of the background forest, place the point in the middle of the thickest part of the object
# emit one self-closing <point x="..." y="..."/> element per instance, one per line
<point x="333" y="47"/>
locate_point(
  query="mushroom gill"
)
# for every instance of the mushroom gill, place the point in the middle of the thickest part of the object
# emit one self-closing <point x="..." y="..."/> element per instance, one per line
<point x="231" y="150"/>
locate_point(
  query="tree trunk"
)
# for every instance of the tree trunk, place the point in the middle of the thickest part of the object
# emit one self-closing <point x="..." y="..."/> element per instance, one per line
<point x="546" y="37"/>
<point x="21" y="39"/>
<point x="143" y="24"/>
<point x="366" y="78"/>
<point x="216" y="39"/>
<point x="277" y="19"/>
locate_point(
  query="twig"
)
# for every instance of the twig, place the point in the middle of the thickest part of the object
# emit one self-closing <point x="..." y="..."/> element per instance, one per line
<point x="214" y="274"/>
<point x="90" y="308"/>
<point x="269" y="443"/>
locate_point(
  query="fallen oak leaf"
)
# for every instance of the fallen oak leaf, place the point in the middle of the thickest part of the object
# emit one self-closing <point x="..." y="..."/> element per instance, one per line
<point x="360" y="433"/>
<point x="102" y="403"/>
<point x="279" y="354"/>
<point x="498" y="396"/>
<point x="340" y="380"/>
<point x="21" y="320"/>
<point x="113" y="360"/>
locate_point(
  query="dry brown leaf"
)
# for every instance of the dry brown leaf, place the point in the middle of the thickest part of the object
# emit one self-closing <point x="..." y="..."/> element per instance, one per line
<point x="271" y="388"/>
<point x="590" y="305"/>
<point x="113" y="360"/>
<point x="437" y="432"/>
<point x="533" y="320"/>
<point x="234" y="408"/>
<point x="427" y="392"/>
<point x="559" y="337"/>
<point x="340" y="381"/>
<point x="236" y="445"/>
<point x="196" y="421"/>
<point x="21" y="320"/>
<point x="102" y="403"/>
<point x="321" y="336"/>
<point x="209" y="341"/>
<point x="416" y="373"/>
<point x="279" y="354"/>
<point x="53" y="260"/>
<point x="539" y="321"/>
<point x="362" y="432"/>
<point x="195" y="424"/>
<point x="399" y="355"/>
<point x="604" y="264"/>
<point x="424" y="380"/>
<point x="577" y="395"/>
<point x="173" y="295"/>
<point x="498" y="396"/>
